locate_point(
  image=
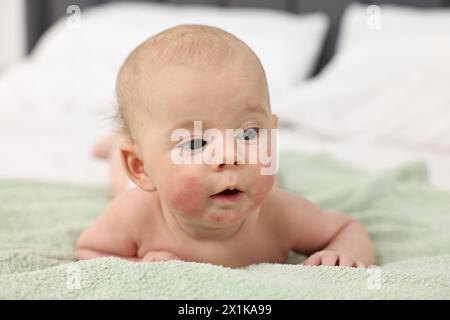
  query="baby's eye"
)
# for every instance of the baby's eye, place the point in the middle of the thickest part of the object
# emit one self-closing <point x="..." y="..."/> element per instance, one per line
<point x="249" y="134"/>
<point x="193" y="144"/>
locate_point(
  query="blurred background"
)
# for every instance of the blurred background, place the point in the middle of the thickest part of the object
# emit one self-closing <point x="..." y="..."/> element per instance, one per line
<point x="365" y="81"/>
<point x="12" y="31"/>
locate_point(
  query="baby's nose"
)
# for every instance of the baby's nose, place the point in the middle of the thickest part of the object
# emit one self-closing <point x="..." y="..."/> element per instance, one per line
<point x="228" y="160"/>
<point x="228" y="157"/>
<point x="223" y="165"/>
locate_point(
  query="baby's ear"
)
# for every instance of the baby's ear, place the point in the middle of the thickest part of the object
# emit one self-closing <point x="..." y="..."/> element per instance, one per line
<point x="134" y="166"/>
<point x="275" y="120"/>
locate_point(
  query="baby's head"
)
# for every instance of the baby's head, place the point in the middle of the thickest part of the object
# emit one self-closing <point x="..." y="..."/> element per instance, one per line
<point x="196" y="73"/>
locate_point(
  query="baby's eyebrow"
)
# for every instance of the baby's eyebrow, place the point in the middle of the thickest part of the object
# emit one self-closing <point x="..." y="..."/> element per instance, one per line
<point x="255" y="108"/>
<point x="186" y="124"/>
<point x="189" y="124"/>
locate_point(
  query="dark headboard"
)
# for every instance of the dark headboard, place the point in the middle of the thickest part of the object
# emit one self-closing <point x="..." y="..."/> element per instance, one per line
<point x="42" y="13"/>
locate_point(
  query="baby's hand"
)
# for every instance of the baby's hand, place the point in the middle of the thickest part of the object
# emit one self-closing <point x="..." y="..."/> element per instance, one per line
<point x="332" y="258"/>
<point x="153" y="256"/>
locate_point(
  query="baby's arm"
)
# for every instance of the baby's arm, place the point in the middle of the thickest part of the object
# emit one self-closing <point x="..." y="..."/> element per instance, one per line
<point x="110" y="234"/>
<point x="329" y="238"/>
<point x="114" y="233"/>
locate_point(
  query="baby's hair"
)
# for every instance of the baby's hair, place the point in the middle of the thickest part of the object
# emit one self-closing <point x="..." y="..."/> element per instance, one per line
<point x="193" y="45"/>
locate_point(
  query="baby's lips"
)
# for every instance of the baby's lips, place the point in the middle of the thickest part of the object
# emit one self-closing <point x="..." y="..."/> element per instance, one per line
<point x="228" y="187"/>
<point x="228" y="195"/>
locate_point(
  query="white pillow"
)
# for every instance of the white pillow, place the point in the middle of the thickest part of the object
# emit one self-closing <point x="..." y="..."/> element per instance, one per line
<point x="287" y="44"/>
<point x="389" y="85"/>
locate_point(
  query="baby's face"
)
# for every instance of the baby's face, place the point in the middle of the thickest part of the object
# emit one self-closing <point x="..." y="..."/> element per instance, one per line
<point x="219" y="191"/>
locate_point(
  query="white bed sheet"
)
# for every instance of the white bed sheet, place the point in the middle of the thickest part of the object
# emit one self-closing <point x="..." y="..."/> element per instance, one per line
<point x="371" y="157"/>
<point x="48" y="123"/>
<point x="374" y="122"/>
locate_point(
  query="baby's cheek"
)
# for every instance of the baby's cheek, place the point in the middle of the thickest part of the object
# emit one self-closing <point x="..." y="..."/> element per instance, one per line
<point x="185" y="195"/>
<point x="262" y="186"/>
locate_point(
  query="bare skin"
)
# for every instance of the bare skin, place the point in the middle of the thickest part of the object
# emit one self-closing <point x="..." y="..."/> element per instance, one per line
<point x="179" y="211"/>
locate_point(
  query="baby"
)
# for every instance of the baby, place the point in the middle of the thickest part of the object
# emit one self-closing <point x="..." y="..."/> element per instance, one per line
<point x="225" y="211"/>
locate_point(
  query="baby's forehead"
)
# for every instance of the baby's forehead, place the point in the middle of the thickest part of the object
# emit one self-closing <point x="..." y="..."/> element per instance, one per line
<point x="181" y="88"/>
<point x="197" y="47"/>
<point x="221" y="119"/>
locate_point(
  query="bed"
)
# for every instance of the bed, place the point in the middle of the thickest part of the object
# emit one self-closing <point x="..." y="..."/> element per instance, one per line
<point x="348" y="139"/>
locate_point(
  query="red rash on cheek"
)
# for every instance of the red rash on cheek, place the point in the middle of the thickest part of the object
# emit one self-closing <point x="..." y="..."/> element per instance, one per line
<point x="186" y="195"/>
<point x="263" y="187"/>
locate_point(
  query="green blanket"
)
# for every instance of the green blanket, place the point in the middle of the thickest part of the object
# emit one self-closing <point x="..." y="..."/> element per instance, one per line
<point x="408" y="221"/>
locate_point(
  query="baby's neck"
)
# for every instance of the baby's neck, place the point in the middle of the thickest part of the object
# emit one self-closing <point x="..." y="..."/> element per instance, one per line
<point x="198" y="231"/>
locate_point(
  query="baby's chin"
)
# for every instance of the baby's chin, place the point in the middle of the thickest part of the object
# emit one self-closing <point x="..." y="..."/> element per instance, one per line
<point x="231" y="215"/>
<point x="221" y="212"/>
<point x="225" y="217"/>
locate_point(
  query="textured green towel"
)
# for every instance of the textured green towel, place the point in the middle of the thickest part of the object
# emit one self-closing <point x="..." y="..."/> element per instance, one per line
<point x="408" y="220"/>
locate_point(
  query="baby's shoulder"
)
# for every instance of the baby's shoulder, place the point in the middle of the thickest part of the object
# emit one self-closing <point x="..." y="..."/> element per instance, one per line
<point x="136" y="196"/>
<point x="281" y="205"/>
<point x="135" y="205"/>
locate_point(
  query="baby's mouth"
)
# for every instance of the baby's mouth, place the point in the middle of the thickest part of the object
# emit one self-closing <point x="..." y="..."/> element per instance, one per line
<point x="228" y="195"/>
